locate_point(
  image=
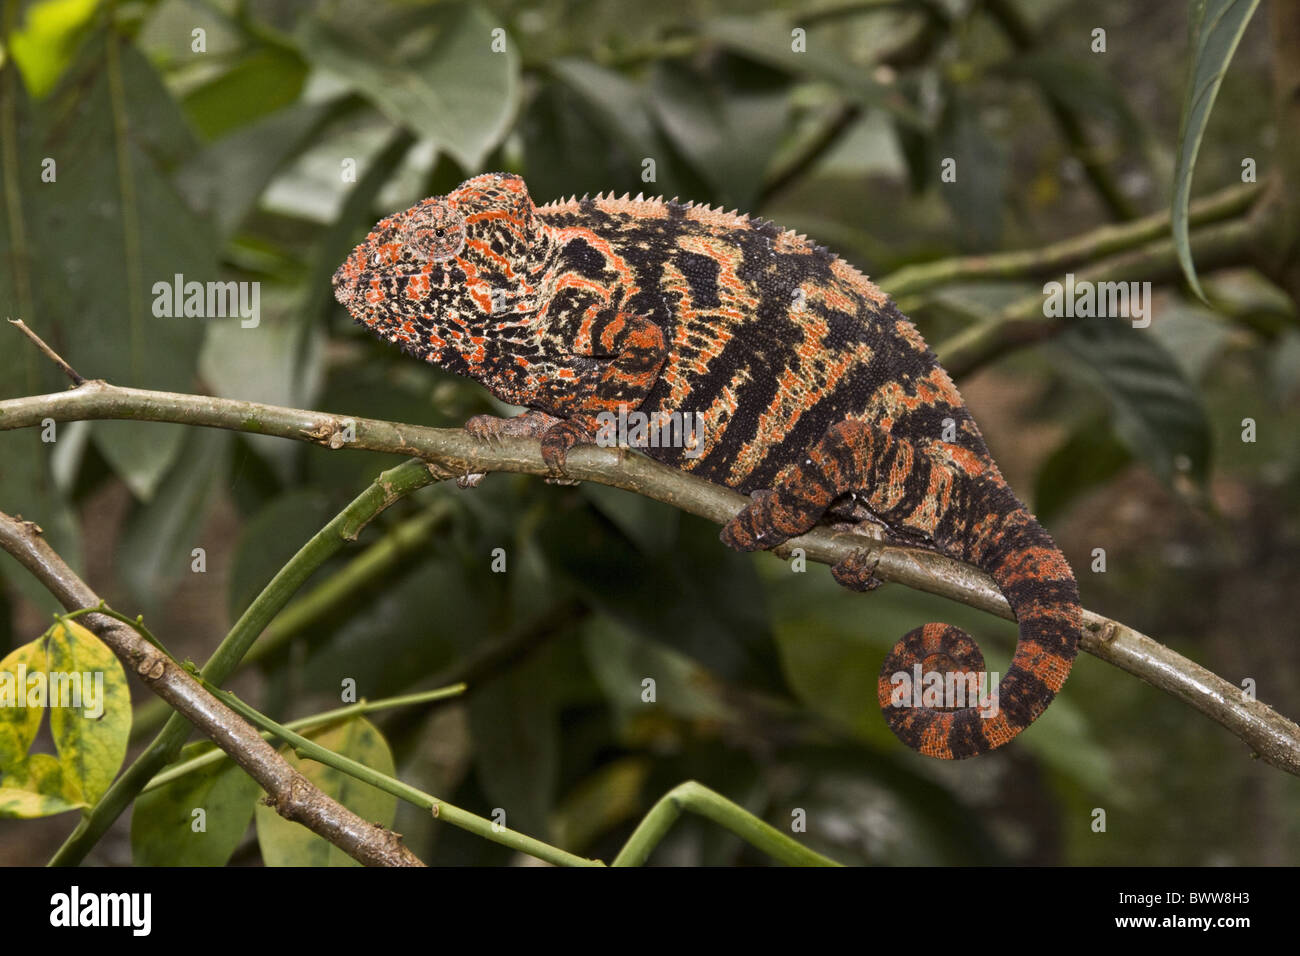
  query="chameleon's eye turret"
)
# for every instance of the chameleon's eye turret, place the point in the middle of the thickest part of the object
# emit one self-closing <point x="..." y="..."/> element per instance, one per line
<point x="434" y="232"/>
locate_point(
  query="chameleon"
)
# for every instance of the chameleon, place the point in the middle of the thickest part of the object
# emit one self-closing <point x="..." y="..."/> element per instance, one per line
<point x="820" y="399"/>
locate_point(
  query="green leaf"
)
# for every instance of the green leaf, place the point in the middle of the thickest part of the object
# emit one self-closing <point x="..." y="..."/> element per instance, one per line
<point x="1192" y="335"/>
<point x="352" y="222"/>
<point x="651" y="524"/>
<point x="46" y="44"/>
<point x="1285" y="366"/>
<point x="157" y="545"/>
<point x="229" y="176"/>
<point x="767" y="39"/>
<point x="1087" y="458"/>
<point x="259" y="84"/>
<point x="26" y="484"/>
<point x="163" y="820"/>
<point x="111" y="227"/>
<point x="976" y="196"/>
<point x="516" y="731"/>
<point x="91" y="738"/>
<point x="617" y="105"/>
<point x="269" y="540"/>
<point x="1216" y="29"/>
<point x="568" y="152"/>
<point x="601" y="801"/>
<point x="449" y="86"/>
<point x="706" y="113"/>
<point x="285" y="843"/>
<point x="621" y="660"/>
<point x="699" y="598"/>
<point x="1158" y="413"/>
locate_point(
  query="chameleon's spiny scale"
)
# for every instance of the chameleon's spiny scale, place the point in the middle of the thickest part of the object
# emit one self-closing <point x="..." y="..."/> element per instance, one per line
<point x="809" y="380"/>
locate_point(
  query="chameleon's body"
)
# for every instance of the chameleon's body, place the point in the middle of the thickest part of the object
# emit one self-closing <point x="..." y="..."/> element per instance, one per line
<point x="811" y="384"/>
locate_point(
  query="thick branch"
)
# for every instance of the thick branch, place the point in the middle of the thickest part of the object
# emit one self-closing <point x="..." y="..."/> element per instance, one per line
<point x="455" y="452"/>
<point x="291" y="794"/>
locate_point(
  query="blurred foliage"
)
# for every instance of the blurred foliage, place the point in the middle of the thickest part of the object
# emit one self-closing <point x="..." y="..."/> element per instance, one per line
<point x="242" y="141"/>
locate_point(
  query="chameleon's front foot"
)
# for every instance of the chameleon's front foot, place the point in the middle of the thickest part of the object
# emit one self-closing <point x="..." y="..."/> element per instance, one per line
<point x="492" y="428"/>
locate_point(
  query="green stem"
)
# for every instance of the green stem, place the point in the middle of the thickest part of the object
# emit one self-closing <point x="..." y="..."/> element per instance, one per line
<point x="454" y="815"/>
<point x="216" y="755"/>
<point x="137" y="623"/>
<point x="346" y="525"/>
<point x="698" y="798"/>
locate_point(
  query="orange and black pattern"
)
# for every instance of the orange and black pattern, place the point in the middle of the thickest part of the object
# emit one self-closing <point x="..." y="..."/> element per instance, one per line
<point x="816" y="393"/>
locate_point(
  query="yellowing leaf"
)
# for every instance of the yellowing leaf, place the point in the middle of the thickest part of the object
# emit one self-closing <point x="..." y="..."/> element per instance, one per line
<point x="285" y="843"/>
<point x="37" y="788"/>
<point x="93" y="723"/>
<point x="18" y="722"/>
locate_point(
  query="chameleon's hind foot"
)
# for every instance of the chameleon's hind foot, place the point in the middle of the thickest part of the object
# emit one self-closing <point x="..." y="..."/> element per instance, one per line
<point x="858" y="571"/>
<point x="556" y="442"/>
<point x="766" y="522"/>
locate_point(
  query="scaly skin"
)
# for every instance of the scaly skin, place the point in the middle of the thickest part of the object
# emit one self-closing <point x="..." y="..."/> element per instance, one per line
<point x="815" y="391"/>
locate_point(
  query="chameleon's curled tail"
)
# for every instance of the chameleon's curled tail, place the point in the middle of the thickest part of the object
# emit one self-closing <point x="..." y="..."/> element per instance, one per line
<point x="973" y="517"/>
<point x="946" y="716"/>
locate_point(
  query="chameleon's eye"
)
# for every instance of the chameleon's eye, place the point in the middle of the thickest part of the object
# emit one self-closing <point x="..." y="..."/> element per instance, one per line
<point x="435" y="232"/>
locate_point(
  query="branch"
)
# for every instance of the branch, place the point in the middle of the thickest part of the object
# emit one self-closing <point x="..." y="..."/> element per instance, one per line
<point x="1058" y="257"/>
<point x="290" y="793"/>
<point x="455" y="452"/>
<point x="164" y="748"/>
<point x="48" y="352"/>
<point x="1022" y="323"/>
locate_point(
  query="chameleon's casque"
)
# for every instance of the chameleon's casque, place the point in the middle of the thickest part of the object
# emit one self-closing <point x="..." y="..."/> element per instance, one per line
<point x="816" y="393"/>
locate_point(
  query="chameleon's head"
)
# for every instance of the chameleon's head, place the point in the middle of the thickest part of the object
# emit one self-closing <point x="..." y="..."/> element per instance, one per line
<point x="448" y="278"/>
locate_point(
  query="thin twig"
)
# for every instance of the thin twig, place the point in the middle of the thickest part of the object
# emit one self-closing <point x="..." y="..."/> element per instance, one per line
<point x="455" y="452"/>
<point x="52" y="355"/>
<point x="291" y="794"/>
